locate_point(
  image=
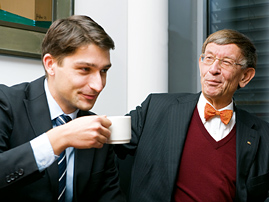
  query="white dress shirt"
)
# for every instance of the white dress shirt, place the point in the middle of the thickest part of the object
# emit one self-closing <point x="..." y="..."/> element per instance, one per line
<point x="214" y="126"/>
<point x="43" y="151"/>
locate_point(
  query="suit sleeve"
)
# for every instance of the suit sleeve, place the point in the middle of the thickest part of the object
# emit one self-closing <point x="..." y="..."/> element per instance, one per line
<point x="17" y="161"/>
<point x="138" y="117"/>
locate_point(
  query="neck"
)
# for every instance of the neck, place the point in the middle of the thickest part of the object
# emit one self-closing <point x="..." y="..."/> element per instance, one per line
<point x="218" y="103"/>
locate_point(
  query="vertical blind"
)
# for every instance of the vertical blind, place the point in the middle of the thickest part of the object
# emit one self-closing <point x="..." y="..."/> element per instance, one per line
<point x="250" y="17"/>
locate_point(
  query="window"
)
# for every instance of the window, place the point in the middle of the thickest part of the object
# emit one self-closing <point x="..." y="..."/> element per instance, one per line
<point x="250" y="17"/>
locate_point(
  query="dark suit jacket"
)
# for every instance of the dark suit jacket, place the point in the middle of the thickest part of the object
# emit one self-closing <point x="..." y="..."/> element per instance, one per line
<point x="24" y="115"/>
<point x="159" y="129"/>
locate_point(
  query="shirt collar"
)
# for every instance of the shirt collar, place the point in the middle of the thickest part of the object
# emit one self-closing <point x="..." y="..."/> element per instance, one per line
<point x="54" y="108"/>
<point x="201" y="106"/>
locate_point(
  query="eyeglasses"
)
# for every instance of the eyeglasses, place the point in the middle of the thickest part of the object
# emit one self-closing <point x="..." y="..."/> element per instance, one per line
<point x="225" y="63"/>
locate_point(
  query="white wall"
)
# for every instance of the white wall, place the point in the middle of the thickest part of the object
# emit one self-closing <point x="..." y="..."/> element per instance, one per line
<point x="147" y="49"/>
<point x="15" y="70"/>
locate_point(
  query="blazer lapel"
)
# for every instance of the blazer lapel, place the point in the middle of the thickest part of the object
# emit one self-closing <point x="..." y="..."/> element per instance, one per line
<point x="83" y="161"/>
<point x="247" y="141"/>
<point x="179" y="119"/>
<point x="37" y="107"/>
<point x="39" y="116"/>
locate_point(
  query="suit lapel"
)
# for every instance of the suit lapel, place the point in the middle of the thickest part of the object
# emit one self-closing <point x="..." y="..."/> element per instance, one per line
<point x="83" y="161"/>
<point x="179" y="119"/>
<point x="37" y="107"/>
<point x="39" y="116"/>
<point x="247" y="141"/>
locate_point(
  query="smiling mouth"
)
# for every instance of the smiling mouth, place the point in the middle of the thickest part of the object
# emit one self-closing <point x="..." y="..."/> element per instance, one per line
<point x="89" y="96"/>
<point x="213" y="82"/>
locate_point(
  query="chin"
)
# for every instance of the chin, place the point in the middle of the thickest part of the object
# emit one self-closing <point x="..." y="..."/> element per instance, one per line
<point x="85" y="107"/>
<point x="211" y="94"/>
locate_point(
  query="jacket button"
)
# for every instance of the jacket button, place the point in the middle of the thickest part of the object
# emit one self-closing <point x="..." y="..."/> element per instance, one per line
<point x="20" y="172"/>
<point x="16" y="175"/>
<point x="12" y="176"/>
<point x="8" y="180"/>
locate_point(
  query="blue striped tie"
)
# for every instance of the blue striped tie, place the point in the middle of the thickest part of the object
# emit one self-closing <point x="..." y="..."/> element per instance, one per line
<point x="60" y="120"/>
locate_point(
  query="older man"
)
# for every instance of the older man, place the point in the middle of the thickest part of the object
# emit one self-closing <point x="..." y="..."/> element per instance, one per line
<point x="202" y="147"/>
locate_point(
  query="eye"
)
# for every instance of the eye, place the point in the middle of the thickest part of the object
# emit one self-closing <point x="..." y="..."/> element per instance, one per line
<point x="86" y="69"/>
<point x="104" y="70"/>
<point x="227" y="62"/>
<point x="209" y="57"/>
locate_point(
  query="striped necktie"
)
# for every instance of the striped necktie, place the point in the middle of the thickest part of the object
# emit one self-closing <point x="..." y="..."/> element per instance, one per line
<point x="60" y="120"/>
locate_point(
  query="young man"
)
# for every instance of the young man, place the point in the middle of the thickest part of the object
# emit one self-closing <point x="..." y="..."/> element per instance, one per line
<point x="44" y="158"/>
<point x="184" y="154"/>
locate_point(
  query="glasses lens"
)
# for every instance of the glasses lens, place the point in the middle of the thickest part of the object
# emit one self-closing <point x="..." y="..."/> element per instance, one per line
<point x="225" y="63"/>
<point x="208" y="59"/>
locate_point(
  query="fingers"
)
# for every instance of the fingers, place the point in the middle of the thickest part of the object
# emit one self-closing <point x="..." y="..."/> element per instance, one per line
<point x="105" y="124"/>
<point x="89" y="132"/>
<point x="105" y="121"/>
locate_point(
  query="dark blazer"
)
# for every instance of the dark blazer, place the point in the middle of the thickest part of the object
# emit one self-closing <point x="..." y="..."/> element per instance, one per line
<point x="159" y="129"/>
<point x="24" y="115"/>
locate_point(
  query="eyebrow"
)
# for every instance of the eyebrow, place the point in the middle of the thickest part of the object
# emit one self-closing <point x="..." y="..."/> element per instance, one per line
<point x="210" y="52"/>
<point x="92" y="64"/>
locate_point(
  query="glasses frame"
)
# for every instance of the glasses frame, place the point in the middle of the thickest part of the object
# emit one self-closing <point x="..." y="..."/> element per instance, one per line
<point x="219" y="59"/>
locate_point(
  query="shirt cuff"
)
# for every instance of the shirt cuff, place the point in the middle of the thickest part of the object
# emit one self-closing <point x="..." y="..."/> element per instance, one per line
<point x="43" y="151"/>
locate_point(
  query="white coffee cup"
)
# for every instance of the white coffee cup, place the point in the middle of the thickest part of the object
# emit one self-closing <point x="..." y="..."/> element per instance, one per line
<point x="120" y="129"/>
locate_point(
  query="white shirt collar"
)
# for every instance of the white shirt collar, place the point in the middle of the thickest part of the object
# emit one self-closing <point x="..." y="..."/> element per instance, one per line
<point x="201" y="107"/>
<point x="54" y="108"/>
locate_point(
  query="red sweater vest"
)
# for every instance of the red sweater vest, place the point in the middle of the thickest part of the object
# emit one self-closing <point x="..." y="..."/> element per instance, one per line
<point x="207" y="171"/>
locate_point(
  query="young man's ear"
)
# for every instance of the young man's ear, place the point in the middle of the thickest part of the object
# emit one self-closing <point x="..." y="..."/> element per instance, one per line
<point x="49" y="62"/>
<point x="247" y="75"/>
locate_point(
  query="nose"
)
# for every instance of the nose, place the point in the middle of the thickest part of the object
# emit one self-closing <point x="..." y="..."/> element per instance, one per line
<point x="96" y="82"/>
<point x="215" y="67"/>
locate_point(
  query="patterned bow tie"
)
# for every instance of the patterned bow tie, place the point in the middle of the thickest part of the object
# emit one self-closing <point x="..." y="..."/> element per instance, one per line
<point x="225" y="115"/>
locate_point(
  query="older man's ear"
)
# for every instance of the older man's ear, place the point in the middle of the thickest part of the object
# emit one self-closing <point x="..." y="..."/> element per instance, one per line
<point x="247" y="75"/>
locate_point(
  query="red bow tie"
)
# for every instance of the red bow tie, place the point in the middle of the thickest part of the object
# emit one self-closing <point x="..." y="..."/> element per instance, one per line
<point x="225" y="115"/>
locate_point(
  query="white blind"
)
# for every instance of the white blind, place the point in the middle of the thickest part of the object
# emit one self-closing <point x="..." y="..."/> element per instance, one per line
<point x="250" y="17"/>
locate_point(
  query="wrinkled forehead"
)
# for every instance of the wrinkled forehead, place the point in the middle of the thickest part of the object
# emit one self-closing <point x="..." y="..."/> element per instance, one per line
<point x="226" y="50"/>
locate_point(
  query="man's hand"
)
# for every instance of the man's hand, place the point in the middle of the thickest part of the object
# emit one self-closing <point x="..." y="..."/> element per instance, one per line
<point x="82" y="133"/>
